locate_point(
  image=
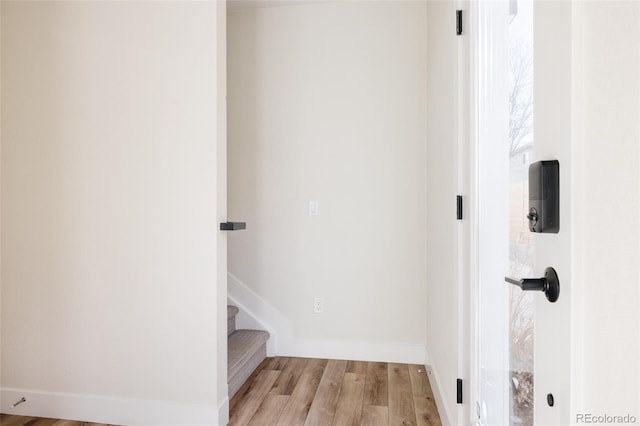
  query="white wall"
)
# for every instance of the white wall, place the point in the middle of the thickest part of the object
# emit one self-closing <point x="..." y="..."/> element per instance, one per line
<point x="327" y="101"/>
<point x="607" y="239"/>
<point x="109" y="212"/>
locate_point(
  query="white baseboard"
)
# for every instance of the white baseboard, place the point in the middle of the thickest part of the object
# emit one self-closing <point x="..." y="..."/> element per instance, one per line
<point x="357" y="351"/>
<point x="255" y="312"/>
<point x="223" y="412"/>
<point x="438" y="396"/>
<point x="111" y="410"/>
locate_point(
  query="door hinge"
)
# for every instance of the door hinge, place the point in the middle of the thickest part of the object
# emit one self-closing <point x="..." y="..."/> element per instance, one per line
<point x="459" y="207"/>
<point x="458" y="22"/>
<point x="459" y="391"/>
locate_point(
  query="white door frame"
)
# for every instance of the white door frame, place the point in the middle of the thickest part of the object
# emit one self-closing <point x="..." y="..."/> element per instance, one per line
<point x="471" y="158"/>
<point x="467" y="244"/>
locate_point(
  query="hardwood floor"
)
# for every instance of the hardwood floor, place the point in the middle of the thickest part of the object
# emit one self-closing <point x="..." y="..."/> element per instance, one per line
<point x="7" y="420"/>
<point x="318" y="392"/>
<point x="299" y="391"/>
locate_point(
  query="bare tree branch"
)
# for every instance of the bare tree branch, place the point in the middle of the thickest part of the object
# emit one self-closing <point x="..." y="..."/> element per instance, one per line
<point x="520" y="98"/>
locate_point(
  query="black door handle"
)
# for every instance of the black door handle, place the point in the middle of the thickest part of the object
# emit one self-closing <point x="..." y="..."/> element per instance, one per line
<point x="233" y="226"/>
<point x="550" y="284"/>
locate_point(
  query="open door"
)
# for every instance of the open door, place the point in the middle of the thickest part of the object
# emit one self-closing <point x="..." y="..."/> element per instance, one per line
<point x="522" y="98"/>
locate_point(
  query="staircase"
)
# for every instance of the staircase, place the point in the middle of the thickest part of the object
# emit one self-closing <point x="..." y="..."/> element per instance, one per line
<point x="246" y="350"/>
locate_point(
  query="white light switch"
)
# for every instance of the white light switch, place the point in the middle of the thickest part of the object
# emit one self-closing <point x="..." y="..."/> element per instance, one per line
<point x="313" y="208"/>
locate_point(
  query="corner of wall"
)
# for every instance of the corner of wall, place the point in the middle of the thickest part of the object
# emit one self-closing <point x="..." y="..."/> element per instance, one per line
<point x="438" y="395"/>
<point x="223" y="412"/>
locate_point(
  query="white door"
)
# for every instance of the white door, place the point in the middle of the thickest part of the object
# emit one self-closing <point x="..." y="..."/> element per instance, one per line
<point x="522" y="98"/>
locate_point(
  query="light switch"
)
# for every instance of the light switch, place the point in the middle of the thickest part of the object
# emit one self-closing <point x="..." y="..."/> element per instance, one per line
<point x="313" y="208"/>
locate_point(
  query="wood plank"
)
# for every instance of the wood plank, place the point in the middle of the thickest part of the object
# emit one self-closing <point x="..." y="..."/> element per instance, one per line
<point x="251" y="400"/>
<point x="349" y="409"/>
<point x="17" y="420"/>
<point x="323" y="407"/>
<point x="8" y="420"/>
<point x="374" y="415"/>
<point x="420" y="385"/>
<point x="247" y="384"/>
<point x="357" y="367"/>
<point x="45" y="422"/>
<point x="276" y="363"/>
<point x="297" y="408"/>
<point x="376" y="387"/>
<point x="427" y="412"/>
<point x="423" y="399"/>
<point x="270" y="410"/>
<point x="289" y="376"/>
<point x="401" y="406"/>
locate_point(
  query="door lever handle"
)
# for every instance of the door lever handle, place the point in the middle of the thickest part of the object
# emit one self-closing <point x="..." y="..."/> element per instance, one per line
<point x="550" y="284"/>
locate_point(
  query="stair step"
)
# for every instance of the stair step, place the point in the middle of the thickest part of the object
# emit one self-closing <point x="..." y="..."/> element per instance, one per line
<point x="246" y="350"/>
<point x="232" y="311"/>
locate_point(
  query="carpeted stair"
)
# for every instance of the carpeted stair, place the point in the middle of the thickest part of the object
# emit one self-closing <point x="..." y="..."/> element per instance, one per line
<point x="246" y="350"/>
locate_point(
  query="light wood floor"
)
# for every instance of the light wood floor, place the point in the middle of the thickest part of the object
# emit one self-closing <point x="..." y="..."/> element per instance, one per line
<point x="7" y="420"/>
<point x="300" y="391"/>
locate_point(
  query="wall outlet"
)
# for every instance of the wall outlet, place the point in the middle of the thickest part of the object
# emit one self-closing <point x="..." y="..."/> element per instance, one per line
<point x="318" y="305"/>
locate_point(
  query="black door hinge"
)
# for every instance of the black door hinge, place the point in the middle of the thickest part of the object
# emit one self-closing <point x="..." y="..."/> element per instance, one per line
<point x="459" y="391"/>
<point x="459" y="207"/>
<point x="458" y="22"/>
<point x="232" y="226"/>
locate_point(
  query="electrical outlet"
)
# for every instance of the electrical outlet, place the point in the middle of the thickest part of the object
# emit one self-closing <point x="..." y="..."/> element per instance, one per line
<point x="318" y="305"/>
